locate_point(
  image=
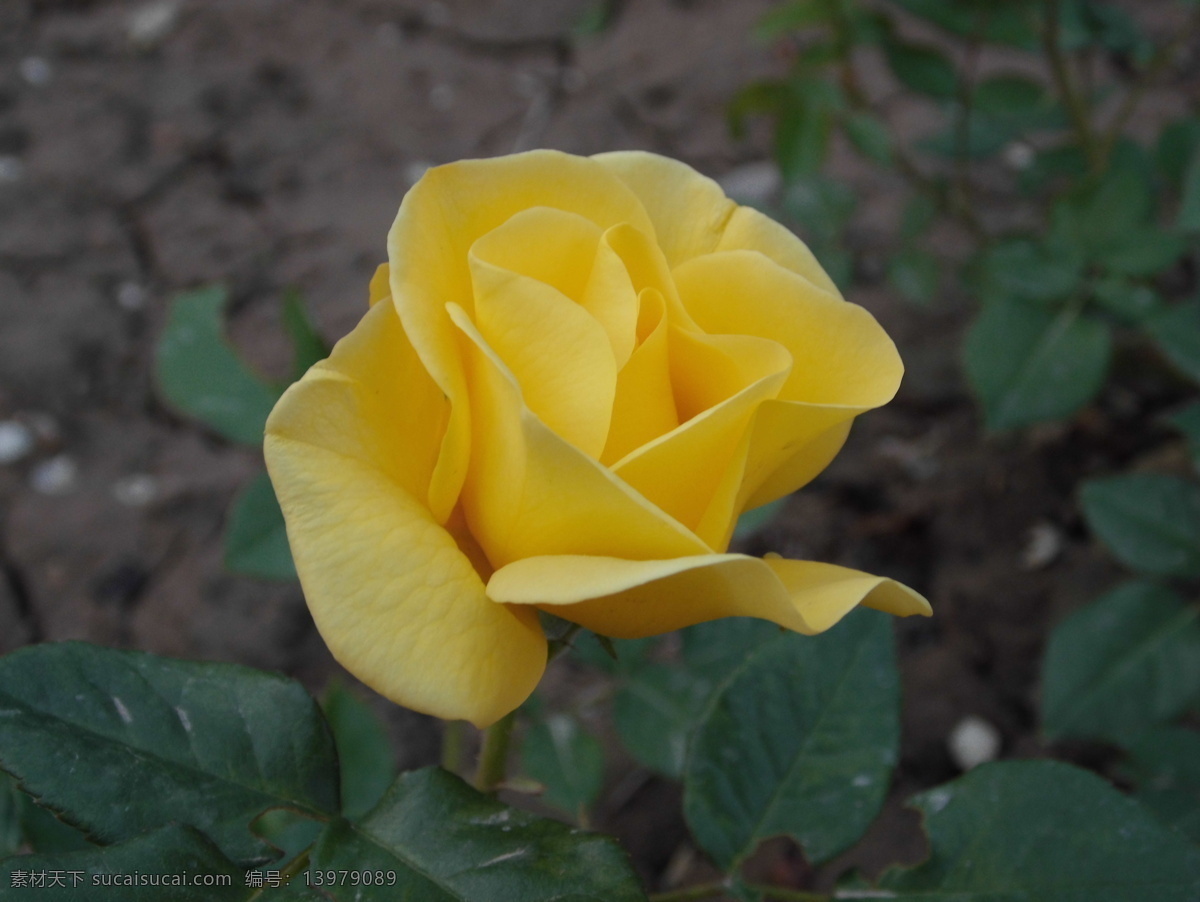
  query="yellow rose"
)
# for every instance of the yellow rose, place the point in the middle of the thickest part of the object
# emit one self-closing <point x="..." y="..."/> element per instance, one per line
<point x="574" y="375"/>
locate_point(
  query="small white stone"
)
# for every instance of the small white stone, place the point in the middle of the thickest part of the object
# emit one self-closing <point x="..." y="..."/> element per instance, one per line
<point x="754" y="183"/>
<point x="972" y="742"/>
<point x="131" y="296"/>
<point x="1019" y="156"/>
<point x="441" y="97"/>
<point x="36" y="70"/>
<point x="414" y="171"/>
<point x="150" y="23"/>
<point x="12" y="169"/>
<point x="56" y="476"/>
<point x="1044" y="545"/>
<point x="16" y="441"/>
<point x="136" y="490"/>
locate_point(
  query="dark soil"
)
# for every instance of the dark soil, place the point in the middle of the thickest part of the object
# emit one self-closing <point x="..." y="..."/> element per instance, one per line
<point x="266" y="144"/>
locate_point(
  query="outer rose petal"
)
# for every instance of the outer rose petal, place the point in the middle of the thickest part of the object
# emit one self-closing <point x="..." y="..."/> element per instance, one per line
<point x="439" y="219"/>
<point x="350" y="448"/>
<point x="632" y="599"/>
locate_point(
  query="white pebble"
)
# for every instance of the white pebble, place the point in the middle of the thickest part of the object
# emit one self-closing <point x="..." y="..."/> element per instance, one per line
<point x="36" y="70"/>
<point x="1019" y="156"/>
<point x="131" y="296"/>
<point x="441" y="96"/>
<point x="136" y="490"/>
<point x="753" y="183"/>
<point x="56" y="476"/>
<point x="12" y="169"/>
<point x="1045" y="543"/>
<point x="414" y="171"/>
<point x="972" y="742"/>
<point x="16" y="441"/>
<point x="151" y="22"/>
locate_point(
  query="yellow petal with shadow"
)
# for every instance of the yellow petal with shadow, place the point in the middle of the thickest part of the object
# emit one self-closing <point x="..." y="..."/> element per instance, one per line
<point x="530" y="492"/>
<point x="720" y="382"/>
<point x="644" y="404"/>
<point x="350" y="449"/>
<point x="558" y="352"/>
<point x="632" y="599"/>
<point x="445" y="213"/>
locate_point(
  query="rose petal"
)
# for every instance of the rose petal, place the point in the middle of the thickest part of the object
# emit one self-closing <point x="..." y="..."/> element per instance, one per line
<point x="439" y="219"/>
<point x="699" y="464"/>
<point x="750" y="230"/>
<point x="559" y="354"/>
<point x="380" y="286"/>
<point x="530" y="492"/>
<point x="842" y="355"/>
<point x="689" y="210"/>
<point x="644" y="405"/>
<point x="632" y="599"/>
<point x="350" y="449"/>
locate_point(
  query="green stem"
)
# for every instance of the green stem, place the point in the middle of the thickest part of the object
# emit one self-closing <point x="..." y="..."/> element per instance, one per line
<point x="690" y="893"/>
<point x="493" y="757"/>
<point x="453" y="740"/>
<point x="1075" y="104"/>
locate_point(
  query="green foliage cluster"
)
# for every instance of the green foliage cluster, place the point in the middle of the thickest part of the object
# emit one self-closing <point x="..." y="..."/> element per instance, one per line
<point x="1109" y="222"/>
<point x="200" y="375"/>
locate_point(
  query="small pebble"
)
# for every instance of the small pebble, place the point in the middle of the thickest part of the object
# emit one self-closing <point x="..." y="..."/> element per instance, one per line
<point x="16" y="441"/>
<point x="56" y="476"/>
<point x="752" y="183"/>
<point x="136" y="490"/>
<point x="36" y="70"/>
<point x="150" y="23"/>
<point x="131" y="296"/>
<point x="1045" y="543"/>
<point x="1019" y="156"/>
<point x="414" y="171"/>
<point x="441" y="97"/>
<point x="12" y="169"/>
<point x="972" y="742"/>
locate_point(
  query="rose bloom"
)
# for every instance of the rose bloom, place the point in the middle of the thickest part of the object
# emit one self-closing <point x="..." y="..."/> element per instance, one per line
<point x="574" y="375"/>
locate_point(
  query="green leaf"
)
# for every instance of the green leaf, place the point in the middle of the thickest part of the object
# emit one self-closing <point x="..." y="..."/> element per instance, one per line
<point x="1165" y="766"/>
<point x="1177" y="144"/>
<point x="365" y="756"/>
<point x="1102" y="214"/>
<point x="795" y="15"/>
<point x="1011" y="22"/>
<point x="655" y="713"/>
<point x="1010" y="95"/>
<point x="803" y="127"/>
<point x="919" y="214"/>
<point x="123" y="742"/>
<point x="800" y="741"/>
<point x="1177" y="332"/>
<point x="715" y="649"/>
<point x="922" y="68"/>
<point x="756" y="98"/>
<point x="755" y="520"/>
<point x="560" y="754"/>
<point x="1128" y="300"/>
<point x="915" y="275"/>
<point x="46" y="833"/>
<point x="1150" y="521"/>
<point x="1126" y="662"/>
<point x="178" y="857"/>
<point x="1145" y="251"/>
<point x="1024" y="269"/>
<point x="445" y="841"/>
<point x="822" y="206"/>
<point x="1027" y="364"/>
<point x="870" y="137"/>
<point x="307" y="346"/>
<point x="1187" y="421"/>
<point x="630" y="653"/>
<point x="11" y="834"/>
<point x="256" y="542"/>
<point x="200" y="374"/>
<point x="1043" y="831"/>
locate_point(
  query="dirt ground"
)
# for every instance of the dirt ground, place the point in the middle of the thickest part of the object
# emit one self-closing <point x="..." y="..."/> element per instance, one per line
<point x="266" y="144"/>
